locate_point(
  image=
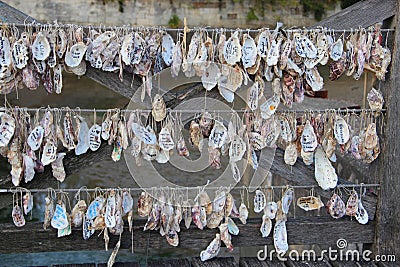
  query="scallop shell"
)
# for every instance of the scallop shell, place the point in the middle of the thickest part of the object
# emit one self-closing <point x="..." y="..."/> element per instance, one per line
<point x="249" y="51"/>
<point x="94" y="137"/>
<point x="336" y="207"/>
<point x="40" y="47"/>
<point x="314" y="79"/>
<point x="269" y="107"/>
<point x="259" y="201"/>
<point x="20" y="54"/>
<point x="212" y="249"/>
<point x="287" y="200"/>
<point x="58" y="167"/>
<point x="341" y="130"/>
<point x="243" y="213"/>
<point x="218" y="135"/>
<point x="159" y="110"/>
<point x="18" y="216"/>
<point x="266" y="226"/>
<point x="336" y="50"/>
<point x="237" y="149"/>
<point x="167" y="48"/>
<point x="290" y="156"/>
<point x="49" y="153"/>
<point x="263" y="43"/>
<point x="271" y="209"/>
<point x="325" y="174"/>
<point x="371" y="137"/>
<point x="210" y="76"/>
<point x="280" y="237"/>
<point x="75" y="54"/>
<point x="35" y="138"/>
<point x="7" y="128"/>
<point x="309" y="203"/>
<point x="232" y="49"/>
<point x="308" y="138"/>
<point x="361" y="214"/>
<point x="352" y="204"/>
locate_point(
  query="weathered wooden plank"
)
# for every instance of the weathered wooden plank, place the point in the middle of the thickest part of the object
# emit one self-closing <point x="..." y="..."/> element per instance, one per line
<point x="170" y="263"/>
<point x="363" y="263"/>
<point x="120" y="264"/>
<point x="9" y="14"/>
<point x="254" y="262"/>
<point x="323" y="263"/>
<point x="301" y="230"/>
<point x="216" y="262"/>
<point x="363" y="13"/>
<point x="388" y="227"/>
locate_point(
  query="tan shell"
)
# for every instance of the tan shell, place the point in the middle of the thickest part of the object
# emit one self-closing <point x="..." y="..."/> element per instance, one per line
<point x="214" y="220"/>
<point x="204" y="201"/>
<point x="309" y="203"/>
<point x="159" y="110"/>
<point x="375" y="99"/>
<point x="371" y="137"/>
<point x="210" y="76"/>
<point x="352" y="204"/>
<point x="58" y="167"/>
<point x="290" y="156"/>
<point x="196" y="138"/>
<point x="308" y="157"/>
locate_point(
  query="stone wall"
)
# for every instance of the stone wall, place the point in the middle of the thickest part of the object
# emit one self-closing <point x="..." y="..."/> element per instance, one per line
<point x="214" y="13"/>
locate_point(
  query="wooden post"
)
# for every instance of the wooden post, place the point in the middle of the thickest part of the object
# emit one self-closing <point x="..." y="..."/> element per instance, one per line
<point x="387" y="237"/>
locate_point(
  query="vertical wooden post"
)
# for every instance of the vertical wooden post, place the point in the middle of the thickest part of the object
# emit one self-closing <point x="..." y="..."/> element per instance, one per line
<point x="387" y="237"/>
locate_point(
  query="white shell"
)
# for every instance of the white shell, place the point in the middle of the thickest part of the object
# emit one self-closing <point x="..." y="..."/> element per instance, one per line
<point x="269" y="107"/>
<point x="94" y="137"/>
<point x="325" y="174"/>
<point x="143" y="134"/>
<point x="270" y="209"/>
<point x="232" y="228"/>
<point x="49" y="153"/>
<point x="105" y="128"/>
<point x="243" y="213"/>
<point x="210" y="76"/>
<point x="29" y="165"/>
<point x="126" y="48"/>
<point x="252" y="96"/>
<point x="341" y="131"/>
<point x="273" y="52"/>
<point x="7" y="128"/>
<point x="290" y="156"/>
<point x="40" y="47"/>
<point x="59" y="220"/>
<point x="237" y="149"/>
<point x="235" y="171"/>
<point x="35" y="138"/>
<point x="280" y="237"/>
<point x="167" y="48"/>
<point x="212" y="249"/>
<point x="263" y="43"/>
<point x="5" y="52"/>
<point x="259" y="201"/>
<point x="176" y="60"/>
<point x="75" y="54"/>
<point x="232" y="49"/>
<point x="227" y="94"/>
<point x="111" y="207"/>
<point x="266" y="226"/>
<point x="308" y="138"/>
<point x="57" y="78"/>
<point x="165" y="140"/>
<point x="18" y="216"/>
<point x="83" y="139"/>
<point x="249" y="51"/>
<point x="361" y="214"/>
<point x="314" y="79"/>
<point x="287" y="200"/>
<point x="218" y="135"/>
<point x="20" y="54"/>
<point x="336" y="50"/>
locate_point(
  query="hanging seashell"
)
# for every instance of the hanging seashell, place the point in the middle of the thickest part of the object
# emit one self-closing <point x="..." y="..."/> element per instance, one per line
<point x="263" y="43"/>
<point x="218" y="135"/>
<point x="341" y="130"/>
<point x="78" y="213"/>
<point x="225" y="236"/>
<point x="7" y="128"/>
<point x="165" y="140"/>
<point x="280" y="237"/>
<point x="237" y="149"/>
<point x="361" y="214"/>
<point x="35" y="138"/>
<point x="144" y="204"/>
<point x="210" y="76"/>
<point x="266" y="226"/>
<point x="309" y="203"/>
<point x="111" y="208"/>
<point x="18" y="216"/>
<point x="325" y="174"/>
<point x="95" y="207"/>
<point x="74" y="55"/>
<point x="314" y="79"/>
<point x="212" y="249"/>
<point x="259" y="201"/>
<point x="287" y="200"/>
<point x="49" y="211"/>
<point x="270" y="209"/>
<point x="252" y="96"/>
<point x="290" y="155"/>
<point x="83" y="137"/>
<point x="159" y="110"/>
<point x="176" y="60"/>
<point x="167" y="48"/>
<point x="249" y="51"/>
<point x="273" y="52"/>
<point x="269" y="107"/>
<point x="58" y="167"/>
<point x="60" y="220"/>
<point x="375" y="99"/>
<point x="69" y="135"/>
<point x="232" y="50"/>
<point x="20" y="54"/>
<point x="49" y="153"/>
<point x="371" y="137"/>
<point x="27" y="201"/>
<point x="29" y="167"/>
<point x="336" y="207"/>
<point x="336" y="50"/>
<point x="94" y="137"/>
<point x="243" y="213"/>
<point x="352" y="204"/>
<point x="232" y="228"/>
<point x="308" y="138"/>
<point x="40" y="47"/>
<point x="144" y="134"/>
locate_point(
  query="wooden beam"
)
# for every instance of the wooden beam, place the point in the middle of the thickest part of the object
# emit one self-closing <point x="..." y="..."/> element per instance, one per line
<point x="361" y="14"/>
<point x="301" y="230"/>
<point x="388" y="227"/>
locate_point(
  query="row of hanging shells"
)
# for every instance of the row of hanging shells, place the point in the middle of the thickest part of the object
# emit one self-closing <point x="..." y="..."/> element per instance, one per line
<point x="40" y="54"/>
